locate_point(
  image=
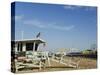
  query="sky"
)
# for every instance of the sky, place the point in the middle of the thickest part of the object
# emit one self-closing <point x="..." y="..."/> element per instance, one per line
<point x="61" y="26"/>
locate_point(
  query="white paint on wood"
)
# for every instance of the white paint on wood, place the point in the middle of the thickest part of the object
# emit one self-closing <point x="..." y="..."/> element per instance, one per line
<point x="16" y="47"/>
<point x="23" y="46"/>
<point x="34" y="46"/>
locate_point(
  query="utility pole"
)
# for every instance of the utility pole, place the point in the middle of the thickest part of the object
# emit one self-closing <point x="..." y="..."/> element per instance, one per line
<point x="22" y="34"/>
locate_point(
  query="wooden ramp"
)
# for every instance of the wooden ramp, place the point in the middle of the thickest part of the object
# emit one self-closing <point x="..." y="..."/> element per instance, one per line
<point x="59" y="64"/>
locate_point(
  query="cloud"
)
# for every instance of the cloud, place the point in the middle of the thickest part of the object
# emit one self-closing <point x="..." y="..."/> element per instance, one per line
<point x="18" y="17"/>
<point x="56" y="26"/>
<point x="65" y="28"/>
<point x="89" y="8"/>
<point x="35" y="23"/>
<point x="86" y="8"/>
<point x="70" y="7"/>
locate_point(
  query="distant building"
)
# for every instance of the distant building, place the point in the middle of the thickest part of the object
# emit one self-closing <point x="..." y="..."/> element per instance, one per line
<point x="93" y="47"/>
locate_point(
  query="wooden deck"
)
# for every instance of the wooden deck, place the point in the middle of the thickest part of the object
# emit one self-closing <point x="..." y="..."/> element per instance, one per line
<point x="85" y="63"/>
